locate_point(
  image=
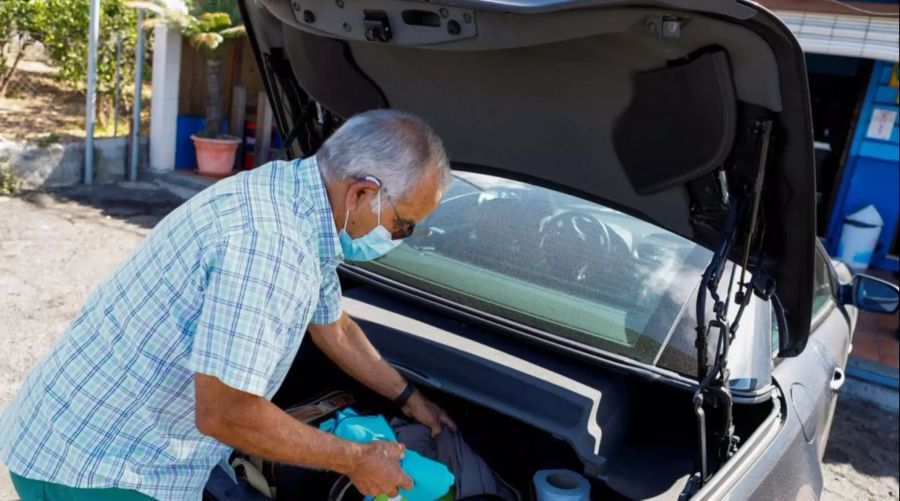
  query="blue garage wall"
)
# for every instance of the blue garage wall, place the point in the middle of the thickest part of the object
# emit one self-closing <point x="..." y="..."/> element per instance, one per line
<point x="872" y="172"/>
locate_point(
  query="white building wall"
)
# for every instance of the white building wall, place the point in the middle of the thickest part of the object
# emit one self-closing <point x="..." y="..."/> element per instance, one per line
<point x="164" y="105"/>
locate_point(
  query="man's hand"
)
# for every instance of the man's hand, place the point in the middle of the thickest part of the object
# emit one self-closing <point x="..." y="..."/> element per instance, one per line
<point x="346" y="344"/>
<point x="428" y="413"/>
<point x="256" y="426"/>
<point x="377" y="470"/>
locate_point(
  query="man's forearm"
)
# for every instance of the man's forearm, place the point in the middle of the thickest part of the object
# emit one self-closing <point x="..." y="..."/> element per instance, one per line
<point x="259" y="427"/>
<point x="346" y="344"/>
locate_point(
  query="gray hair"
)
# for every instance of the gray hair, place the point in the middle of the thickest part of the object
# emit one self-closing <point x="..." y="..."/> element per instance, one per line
<point x="394" y="146"/>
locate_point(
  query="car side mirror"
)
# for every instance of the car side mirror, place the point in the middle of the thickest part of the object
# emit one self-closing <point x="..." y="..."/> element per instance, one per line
<point x="872" y="294"/>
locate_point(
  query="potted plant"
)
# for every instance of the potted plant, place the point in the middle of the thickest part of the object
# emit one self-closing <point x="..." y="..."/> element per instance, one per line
<point x="208" y="27"/>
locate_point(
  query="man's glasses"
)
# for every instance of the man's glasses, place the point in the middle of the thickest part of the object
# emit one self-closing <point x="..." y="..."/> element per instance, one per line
<point x="405" y="227"/>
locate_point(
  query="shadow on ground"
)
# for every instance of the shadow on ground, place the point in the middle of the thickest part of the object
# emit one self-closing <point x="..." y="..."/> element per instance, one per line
<point x="141" y="204"/>
<point x="865" y="438"/>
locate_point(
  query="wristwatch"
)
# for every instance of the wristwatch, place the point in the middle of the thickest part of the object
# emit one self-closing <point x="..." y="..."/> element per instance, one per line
<point x="405" y="395"/>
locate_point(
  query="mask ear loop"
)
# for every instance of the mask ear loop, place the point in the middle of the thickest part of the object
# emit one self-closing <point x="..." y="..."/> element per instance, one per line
<point x="379" y="206"/>
<point x="377" y="182"/>
<point x="346" y="219"/>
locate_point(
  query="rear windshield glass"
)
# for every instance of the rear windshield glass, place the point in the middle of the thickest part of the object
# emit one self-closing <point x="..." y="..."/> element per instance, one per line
<point x="551" y="261"/>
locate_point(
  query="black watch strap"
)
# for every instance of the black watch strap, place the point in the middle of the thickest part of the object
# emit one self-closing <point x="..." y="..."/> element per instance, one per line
<point x="405" y="395"/>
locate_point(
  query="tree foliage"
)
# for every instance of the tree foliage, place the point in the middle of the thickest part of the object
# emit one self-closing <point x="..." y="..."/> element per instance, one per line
<point x="65" y="24"/>
<point x="206" y="25"/>
<point x="62" y="27"/>
<point x="16" y="25"/>
<point x="15" y="16"/>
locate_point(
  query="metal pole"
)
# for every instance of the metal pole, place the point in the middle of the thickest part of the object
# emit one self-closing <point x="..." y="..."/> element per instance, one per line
<point x="138" y="81"/>
<point x="91" y="105"/>
<point x="118" y="85"/>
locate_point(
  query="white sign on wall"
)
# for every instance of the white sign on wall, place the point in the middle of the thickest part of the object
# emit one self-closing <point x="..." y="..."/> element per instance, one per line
<point x="882" y="124"/>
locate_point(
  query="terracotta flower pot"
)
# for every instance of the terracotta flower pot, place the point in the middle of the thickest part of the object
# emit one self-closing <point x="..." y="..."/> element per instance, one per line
<point x="215" y="156"/>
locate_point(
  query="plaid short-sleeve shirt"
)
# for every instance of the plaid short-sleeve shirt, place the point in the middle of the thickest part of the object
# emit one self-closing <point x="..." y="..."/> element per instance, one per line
<point x="225" y="285"/>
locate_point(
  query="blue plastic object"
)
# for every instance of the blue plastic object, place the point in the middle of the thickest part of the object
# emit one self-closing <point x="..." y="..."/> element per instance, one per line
<point x="561" y="485"/>
<point x="185" y="125"/>
<point x="431" y="479"/>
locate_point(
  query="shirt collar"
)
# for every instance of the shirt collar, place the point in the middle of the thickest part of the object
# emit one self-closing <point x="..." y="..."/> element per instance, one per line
<point x="329" y="243"/>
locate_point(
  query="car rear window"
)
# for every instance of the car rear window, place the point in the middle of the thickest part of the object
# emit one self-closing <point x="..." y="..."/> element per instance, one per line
<point x="551" y="261"/>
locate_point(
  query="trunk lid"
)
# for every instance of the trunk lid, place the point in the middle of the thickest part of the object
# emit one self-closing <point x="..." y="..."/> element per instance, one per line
<point x="651" y="107"/>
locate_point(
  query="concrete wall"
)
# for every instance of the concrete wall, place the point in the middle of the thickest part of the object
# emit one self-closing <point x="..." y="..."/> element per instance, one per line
<point x="63" y="164"/>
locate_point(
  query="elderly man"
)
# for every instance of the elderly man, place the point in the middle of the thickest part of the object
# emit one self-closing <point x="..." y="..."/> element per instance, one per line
<point x="174" y="357"/>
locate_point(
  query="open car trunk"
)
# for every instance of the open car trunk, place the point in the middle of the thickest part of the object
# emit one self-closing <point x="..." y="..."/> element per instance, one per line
<point x="519" y="419"/>
<point x="692" y="115"/>
<point x="684" y="113"/>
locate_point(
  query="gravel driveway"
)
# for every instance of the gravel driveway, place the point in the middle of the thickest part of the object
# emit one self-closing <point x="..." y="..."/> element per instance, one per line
<point x="55" y="247"/>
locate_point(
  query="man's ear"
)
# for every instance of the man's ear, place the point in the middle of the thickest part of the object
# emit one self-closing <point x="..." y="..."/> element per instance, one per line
<point x="360" y="191"/>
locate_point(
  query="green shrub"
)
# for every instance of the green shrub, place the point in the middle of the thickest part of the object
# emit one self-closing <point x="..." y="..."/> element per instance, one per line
<point x="9" y="183"/>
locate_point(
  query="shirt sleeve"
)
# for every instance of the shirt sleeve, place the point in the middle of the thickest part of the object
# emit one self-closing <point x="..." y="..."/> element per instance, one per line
<point x="328" y="309"/>
<point x="253" y="285"/>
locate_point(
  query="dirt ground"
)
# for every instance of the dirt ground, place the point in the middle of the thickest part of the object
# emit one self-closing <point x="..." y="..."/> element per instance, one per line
<point x="55" y="247"/>
<point x="40" y="108"/>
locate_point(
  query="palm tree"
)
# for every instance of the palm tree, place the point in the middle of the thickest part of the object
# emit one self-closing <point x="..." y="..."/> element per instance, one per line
<point x="208" y="27"/>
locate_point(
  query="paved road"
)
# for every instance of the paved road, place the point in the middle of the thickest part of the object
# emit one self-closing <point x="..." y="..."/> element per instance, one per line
<point x="54" y="248"/>
<point x="863" y="454"/>
<point x="53" y="251"/>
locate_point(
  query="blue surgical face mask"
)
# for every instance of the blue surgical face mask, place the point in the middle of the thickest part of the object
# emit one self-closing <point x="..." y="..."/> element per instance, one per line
<point x="372" y="245"/>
